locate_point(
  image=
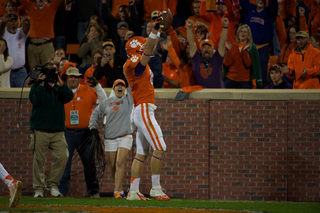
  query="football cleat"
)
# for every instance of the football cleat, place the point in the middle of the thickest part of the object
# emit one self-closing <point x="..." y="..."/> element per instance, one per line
<point x="136" y="195"/>
<point x="157" y="193"/>
<point x="15" y="193"/>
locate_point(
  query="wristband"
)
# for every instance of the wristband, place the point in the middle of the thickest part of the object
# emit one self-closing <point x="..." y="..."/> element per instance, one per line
<point x="146" y="54"/>
<point x="225" y="27"/>
<point x="152" y="35"/>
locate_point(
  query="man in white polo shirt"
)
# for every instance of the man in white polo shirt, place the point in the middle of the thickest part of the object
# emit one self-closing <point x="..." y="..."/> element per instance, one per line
<point x="16" y="39"/>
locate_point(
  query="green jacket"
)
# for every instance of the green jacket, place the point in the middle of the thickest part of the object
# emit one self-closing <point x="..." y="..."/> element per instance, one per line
<point x="255" y="69"/>
<point x="48" y="106"/>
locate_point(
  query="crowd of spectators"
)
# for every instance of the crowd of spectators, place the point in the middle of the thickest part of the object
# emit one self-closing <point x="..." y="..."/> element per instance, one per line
<point x="257" y="35"/>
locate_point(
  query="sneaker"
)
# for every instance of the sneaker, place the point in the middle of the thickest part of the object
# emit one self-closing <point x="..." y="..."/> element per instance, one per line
<point x="15" y="193"/>
<point x="95" y="195"/>
<point x="136" y="195"/>
<point x="157" y="193"/>
<point x="38" y="194"/>
<point x="119" y="195"/>
<point x="55" y="192"/>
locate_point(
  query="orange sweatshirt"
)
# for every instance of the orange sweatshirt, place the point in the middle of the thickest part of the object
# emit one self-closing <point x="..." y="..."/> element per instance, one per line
<point x="309" y="60"/>
<point x="41" y="19"/>
<point x="239" y="63"/>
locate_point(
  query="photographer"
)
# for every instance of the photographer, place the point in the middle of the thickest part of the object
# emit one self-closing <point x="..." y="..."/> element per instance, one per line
<point x="111" y="65"/>
<point x="48" y="95"/>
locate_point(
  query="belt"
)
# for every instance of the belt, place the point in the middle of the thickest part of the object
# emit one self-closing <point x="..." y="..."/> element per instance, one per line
<point x="14" y="70"/>
<point x="48" y="131"/>
<point x="78" y="130"/>
<point x="41" y="43"/>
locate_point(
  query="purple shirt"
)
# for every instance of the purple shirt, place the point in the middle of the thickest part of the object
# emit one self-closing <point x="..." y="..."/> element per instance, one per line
<point x="210" y="75"/>
<point x="283" y="85"/>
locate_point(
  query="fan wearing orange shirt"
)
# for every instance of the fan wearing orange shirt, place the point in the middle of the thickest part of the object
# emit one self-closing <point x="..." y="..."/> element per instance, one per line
<point x="42" y="13"/>
<point x="224" y="9"/>
<point x="140" y="79"/>
<point x="77" y="116"/>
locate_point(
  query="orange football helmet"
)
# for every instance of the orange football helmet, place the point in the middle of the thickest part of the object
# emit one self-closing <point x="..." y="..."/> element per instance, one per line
<point x="135" y="45"/>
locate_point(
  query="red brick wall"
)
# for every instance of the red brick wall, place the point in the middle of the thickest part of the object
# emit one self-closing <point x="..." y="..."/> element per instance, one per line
<point x="216" y="149"/>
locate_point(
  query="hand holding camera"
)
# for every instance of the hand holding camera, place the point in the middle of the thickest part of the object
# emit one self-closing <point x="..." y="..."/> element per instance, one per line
<point x="105" y="59"/>
<point x="43" y="74"/>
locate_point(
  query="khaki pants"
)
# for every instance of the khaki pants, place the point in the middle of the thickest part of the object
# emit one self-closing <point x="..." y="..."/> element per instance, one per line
<point x="40" y="143"/>
<point x="39" y="55"/>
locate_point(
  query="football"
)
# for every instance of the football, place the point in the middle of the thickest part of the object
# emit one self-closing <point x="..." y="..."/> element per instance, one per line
<point x="166" y="21"/>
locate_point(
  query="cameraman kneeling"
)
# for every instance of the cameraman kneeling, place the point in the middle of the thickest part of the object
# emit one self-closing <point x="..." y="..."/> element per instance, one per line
<point x="48" y="125"/>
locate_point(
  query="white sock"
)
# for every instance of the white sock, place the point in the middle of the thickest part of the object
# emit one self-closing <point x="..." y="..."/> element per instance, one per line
<point x="4" y="175"/>
<point x="134" y="186"/>
<point x="155" y="180"/>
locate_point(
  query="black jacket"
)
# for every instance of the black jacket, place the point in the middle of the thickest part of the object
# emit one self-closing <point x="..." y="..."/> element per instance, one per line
<point x="112" y="74"/>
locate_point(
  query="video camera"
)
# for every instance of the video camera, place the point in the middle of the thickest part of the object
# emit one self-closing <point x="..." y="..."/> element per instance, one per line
<point x="49" y="72"/>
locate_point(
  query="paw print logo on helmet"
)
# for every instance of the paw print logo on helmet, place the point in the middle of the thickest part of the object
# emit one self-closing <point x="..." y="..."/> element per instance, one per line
<point x="135" y="45"/>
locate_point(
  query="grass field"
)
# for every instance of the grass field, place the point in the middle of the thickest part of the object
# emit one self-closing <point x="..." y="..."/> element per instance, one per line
<point x="77" y="204"/>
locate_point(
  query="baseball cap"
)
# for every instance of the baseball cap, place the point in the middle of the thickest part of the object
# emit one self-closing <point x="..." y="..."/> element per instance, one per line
<point x="107" y="43"/>
<point x="207" y="41"/>
<point x="275" y="67"/>
<point x="155" y="14"/>
<point x="119" y="81"/>
<point x="73" y="71"/>
<point x="303" y="34"/>
<point x="11" y="17"/>
<point x="122" y="23"/>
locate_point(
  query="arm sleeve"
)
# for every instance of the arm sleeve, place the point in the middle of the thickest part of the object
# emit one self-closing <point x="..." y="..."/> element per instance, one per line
<point x="290" y="74"/>
<point x="5" y="66"/>
<point x="232" y="15"/>
<point x="99" y="72"/>
<point x="35" y="94"/>
<point x="175" y="41"/>
<point x="84" y="49"/>
<point x="281" y="31"/>
<point x="315" y="70"/>
<point x="173" y="56"/>
<point x="65" y="94"/>
<point x="246" y="60"/>
<point x="100" y="93"/>
<point x="97" y="114"/>
<point x="139" y="69"/>
<point x="228" y="57"/>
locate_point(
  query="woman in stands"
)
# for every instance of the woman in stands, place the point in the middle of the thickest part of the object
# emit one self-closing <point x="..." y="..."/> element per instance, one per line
<point x="6" y="63"/>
